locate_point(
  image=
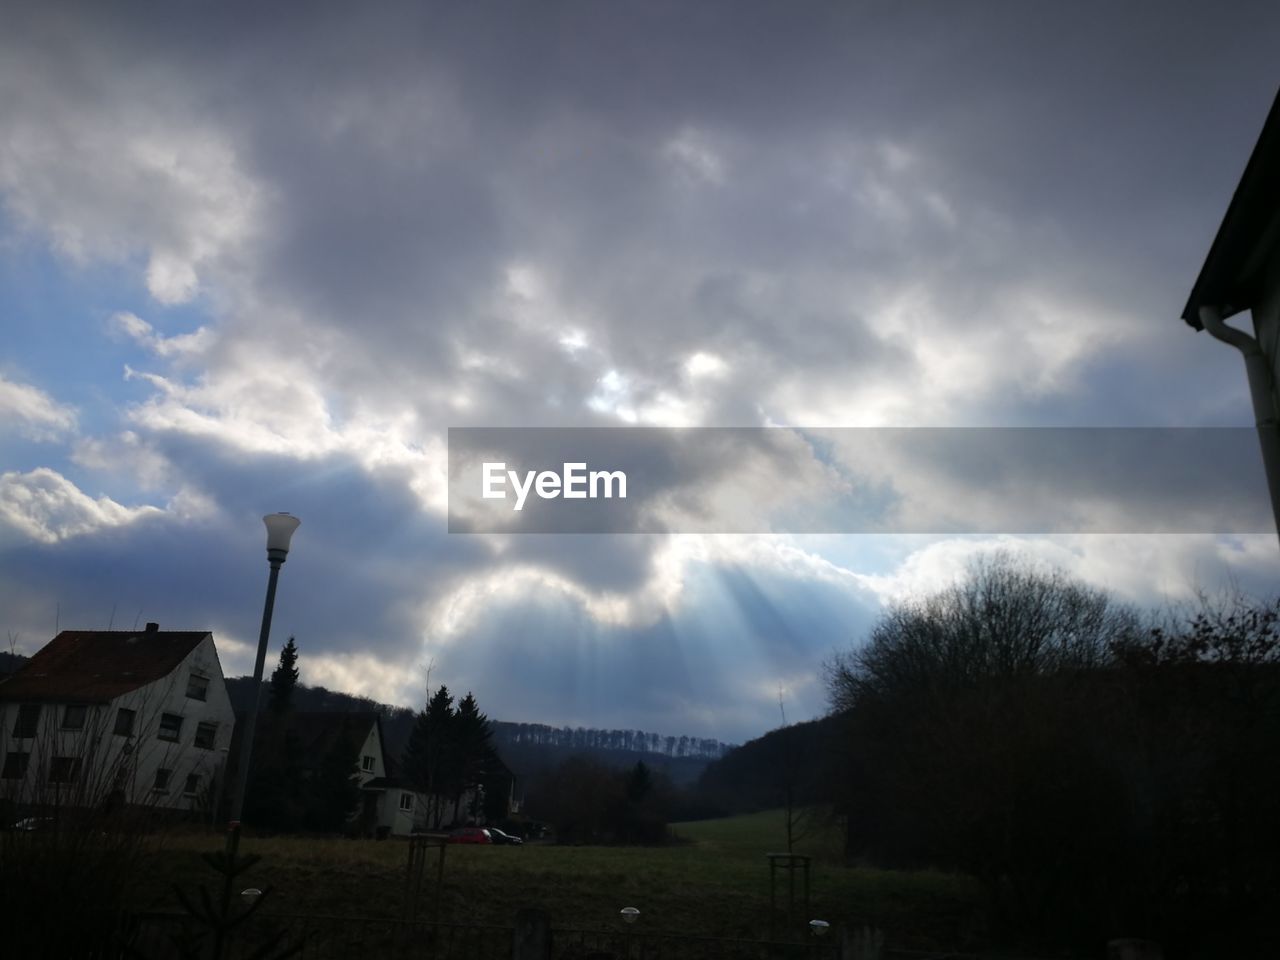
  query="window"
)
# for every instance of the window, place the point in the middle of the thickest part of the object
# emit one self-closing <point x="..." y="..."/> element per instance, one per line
<point x="28" y="719"/>
<point x="73" y="716"/>
<point x="192" y="785"/>
<point x="366" y="763"/>
<point x="162" y="780"/>
<point x="197" y="687"/>
<point x="206" y="735"/>
<point x="64" y="769"/>
<point x="124" y="722"/>
<point x="170" y="727"/>
<point x="406" y="801"/>
<point x="15" y="765"/>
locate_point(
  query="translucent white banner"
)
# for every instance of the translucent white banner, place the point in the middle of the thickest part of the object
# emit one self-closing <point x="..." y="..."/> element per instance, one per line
<point x="922" y="480"/>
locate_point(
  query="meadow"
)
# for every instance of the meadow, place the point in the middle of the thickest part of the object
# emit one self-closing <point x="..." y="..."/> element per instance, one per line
<point x="713" y="880"/>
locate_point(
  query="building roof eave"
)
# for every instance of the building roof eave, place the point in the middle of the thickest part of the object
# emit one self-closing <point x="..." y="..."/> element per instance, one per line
<point x="1235" y="265"/>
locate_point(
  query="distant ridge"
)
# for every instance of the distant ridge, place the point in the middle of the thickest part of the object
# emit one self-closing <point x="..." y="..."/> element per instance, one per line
<point x="527" y="748"/>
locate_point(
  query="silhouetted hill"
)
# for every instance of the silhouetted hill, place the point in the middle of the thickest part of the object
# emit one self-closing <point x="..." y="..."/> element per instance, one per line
<point x="755" y="775"/>
<point x="9" y="662"/>
<point x="528" y="749"/>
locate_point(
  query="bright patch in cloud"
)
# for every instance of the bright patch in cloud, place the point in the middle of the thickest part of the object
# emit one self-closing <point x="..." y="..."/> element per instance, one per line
<point x="692" y="154"/>
<point x="171" y="279"/>
<point x="704" y="365"/>
<point x="613" y="395"/>
<point x="362" y="674"/>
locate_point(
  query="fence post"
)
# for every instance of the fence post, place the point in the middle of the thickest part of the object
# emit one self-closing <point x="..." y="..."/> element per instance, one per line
<point x="864" y="943"/>
<point x="531" y="939"/>
<point x="1133" y="949"/>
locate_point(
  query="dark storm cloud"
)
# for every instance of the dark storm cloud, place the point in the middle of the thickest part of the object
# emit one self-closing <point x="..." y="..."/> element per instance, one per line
<point x="413" y="154"/>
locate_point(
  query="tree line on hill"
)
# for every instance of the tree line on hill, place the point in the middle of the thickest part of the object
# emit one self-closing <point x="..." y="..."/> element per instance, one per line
<point x="530" y="749"/>
<point x="635" y="741"/>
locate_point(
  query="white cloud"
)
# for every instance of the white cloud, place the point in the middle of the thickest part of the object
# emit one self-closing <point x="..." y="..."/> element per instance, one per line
<point x="183" y="345"/>
<point x="362" y="674"/>
<point x="126" y="453"/>
<point x="702" y="364"/>
<point x="171" y="278"/>
<point x="1145" y="570"/>
<point x="111" y="176"/>
<point x="272" y="404"/>
<point x="36" y="413"/>
<point x="45" y="506"/>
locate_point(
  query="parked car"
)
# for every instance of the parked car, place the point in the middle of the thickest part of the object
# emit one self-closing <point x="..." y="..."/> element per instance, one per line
<point x="34" y="823"/>
<point x="470" y="835"/>
<point x="504" y="839"/>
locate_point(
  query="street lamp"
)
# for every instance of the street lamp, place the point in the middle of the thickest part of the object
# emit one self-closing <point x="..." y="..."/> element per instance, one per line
<point x="280" y="528"/>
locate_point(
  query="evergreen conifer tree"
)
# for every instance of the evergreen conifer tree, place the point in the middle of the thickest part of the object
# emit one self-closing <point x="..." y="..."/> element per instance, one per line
<point x="285" y="677"/>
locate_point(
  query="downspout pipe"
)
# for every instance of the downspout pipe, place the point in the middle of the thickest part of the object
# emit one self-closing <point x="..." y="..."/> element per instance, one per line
<point x="1262" y="394"/>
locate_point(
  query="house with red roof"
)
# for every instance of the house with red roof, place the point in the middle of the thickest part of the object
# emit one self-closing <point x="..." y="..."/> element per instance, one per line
<point x="116" y="716"/>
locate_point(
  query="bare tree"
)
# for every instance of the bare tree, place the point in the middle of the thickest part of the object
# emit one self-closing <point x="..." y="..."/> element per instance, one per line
<point x="1004" y="620"/>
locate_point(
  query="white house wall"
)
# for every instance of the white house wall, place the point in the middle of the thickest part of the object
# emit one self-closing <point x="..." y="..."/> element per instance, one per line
<point x="401" y="823"/>
<point x="372" y="747"/>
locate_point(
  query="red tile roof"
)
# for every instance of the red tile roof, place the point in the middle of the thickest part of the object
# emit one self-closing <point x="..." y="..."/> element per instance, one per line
<point x="96" y="666"/>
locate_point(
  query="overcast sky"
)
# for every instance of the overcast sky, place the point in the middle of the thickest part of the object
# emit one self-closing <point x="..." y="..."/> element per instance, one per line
<point x="258" y="257"/>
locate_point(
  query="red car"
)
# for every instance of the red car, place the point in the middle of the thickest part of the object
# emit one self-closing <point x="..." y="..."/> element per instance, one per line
<point x="470" y="835"/>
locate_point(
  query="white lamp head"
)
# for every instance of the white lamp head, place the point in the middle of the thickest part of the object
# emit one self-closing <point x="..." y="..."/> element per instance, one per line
<point x="630" y="914"/>
<point x="280" y="527"/>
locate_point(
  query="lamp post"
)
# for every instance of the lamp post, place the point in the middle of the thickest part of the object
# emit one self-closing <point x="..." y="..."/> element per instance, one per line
<point x="280" y="528"/>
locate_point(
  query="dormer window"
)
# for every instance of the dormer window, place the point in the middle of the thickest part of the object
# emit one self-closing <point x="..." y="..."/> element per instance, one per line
<point x="197" y="687"/>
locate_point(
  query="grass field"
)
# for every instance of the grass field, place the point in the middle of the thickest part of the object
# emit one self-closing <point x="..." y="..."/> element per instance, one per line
<point x="714" y="883"/>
